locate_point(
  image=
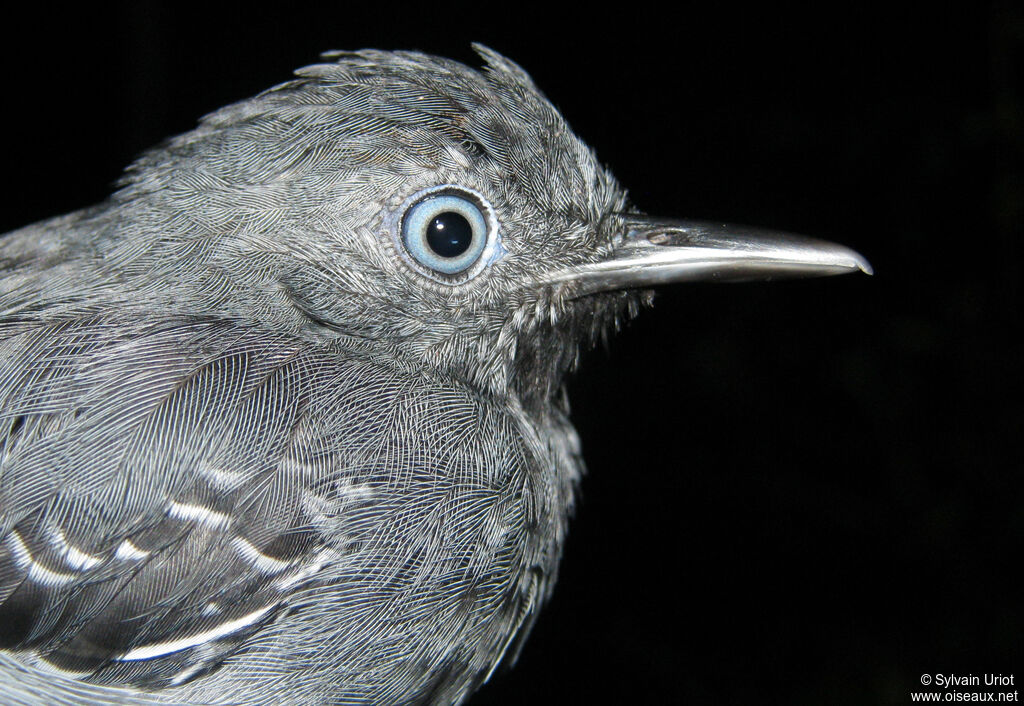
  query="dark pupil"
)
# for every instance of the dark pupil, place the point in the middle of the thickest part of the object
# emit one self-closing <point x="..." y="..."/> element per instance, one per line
<point x="449" y="234"/>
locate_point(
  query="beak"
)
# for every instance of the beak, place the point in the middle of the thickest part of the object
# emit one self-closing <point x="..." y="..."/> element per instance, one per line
<point x="659" y="251"/>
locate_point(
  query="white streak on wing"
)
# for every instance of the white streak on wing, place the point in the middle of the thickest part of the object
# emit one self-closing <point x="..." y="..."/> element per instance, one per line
<point x="160" y="649"/>
<point x="266" y="564"/>
<point x="48" y="577"/>
<point x="355" y="491"/>
<point x="305" y="572"/>
<point x="77" y="559"/>
<point x="36" y="572"/>
<point x="221" y="478"/>
<point x="183" y="676"/>
<point x="22" y="556"/>
<point x="126" y="551"/>
<point x="74" y="557"/>
<point x="198" y="513"/>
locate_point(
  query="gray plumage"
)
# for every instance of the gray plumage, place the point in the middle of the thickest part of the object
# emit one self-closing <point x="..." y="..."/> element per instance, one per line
<point x="251" y="450"/>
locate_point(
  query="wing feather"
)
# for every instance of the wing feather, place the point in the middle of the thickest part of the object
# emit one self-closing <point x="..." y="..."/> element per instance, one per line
<point x="148" y="523"/>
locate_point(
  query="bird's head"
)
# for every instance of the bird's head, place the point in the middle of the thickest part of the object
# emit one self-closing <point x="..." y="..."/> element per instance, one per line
<point x="441" y="215"/>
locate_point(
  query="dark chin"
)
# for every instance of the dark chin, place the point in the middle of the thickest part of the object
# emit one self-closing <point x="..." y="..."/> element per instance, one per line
<point x="550" y="349"/>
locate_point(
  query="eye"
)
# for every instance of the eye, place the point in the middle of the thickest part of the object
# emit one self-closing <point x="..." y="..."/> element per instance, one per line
<point x="448" y="232"/>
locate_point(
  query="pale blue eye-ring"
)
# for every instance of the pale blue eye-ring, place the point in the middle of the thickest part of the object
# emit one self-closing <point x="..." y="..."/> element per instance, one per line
<point x="449" y="233"/>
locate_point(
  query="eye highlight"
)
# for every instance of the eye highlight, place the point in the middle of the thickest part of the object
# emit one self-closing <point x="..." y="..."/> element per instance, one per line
<point x="448" y="233"/>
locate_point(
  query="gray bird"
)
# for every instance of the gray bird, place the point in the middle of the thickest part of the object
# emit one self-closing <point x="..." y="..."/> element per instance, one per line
<point x="283" y="421"/>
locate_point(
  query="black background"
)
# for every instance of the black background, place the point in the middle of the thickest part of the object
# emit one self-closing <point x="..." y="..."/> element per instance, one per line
<point x="802" y="493"/>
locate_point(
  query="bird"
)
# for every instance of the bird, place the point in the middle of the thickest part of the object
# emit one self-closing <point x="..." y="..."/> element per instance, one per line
<point x="283" y="420"/>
